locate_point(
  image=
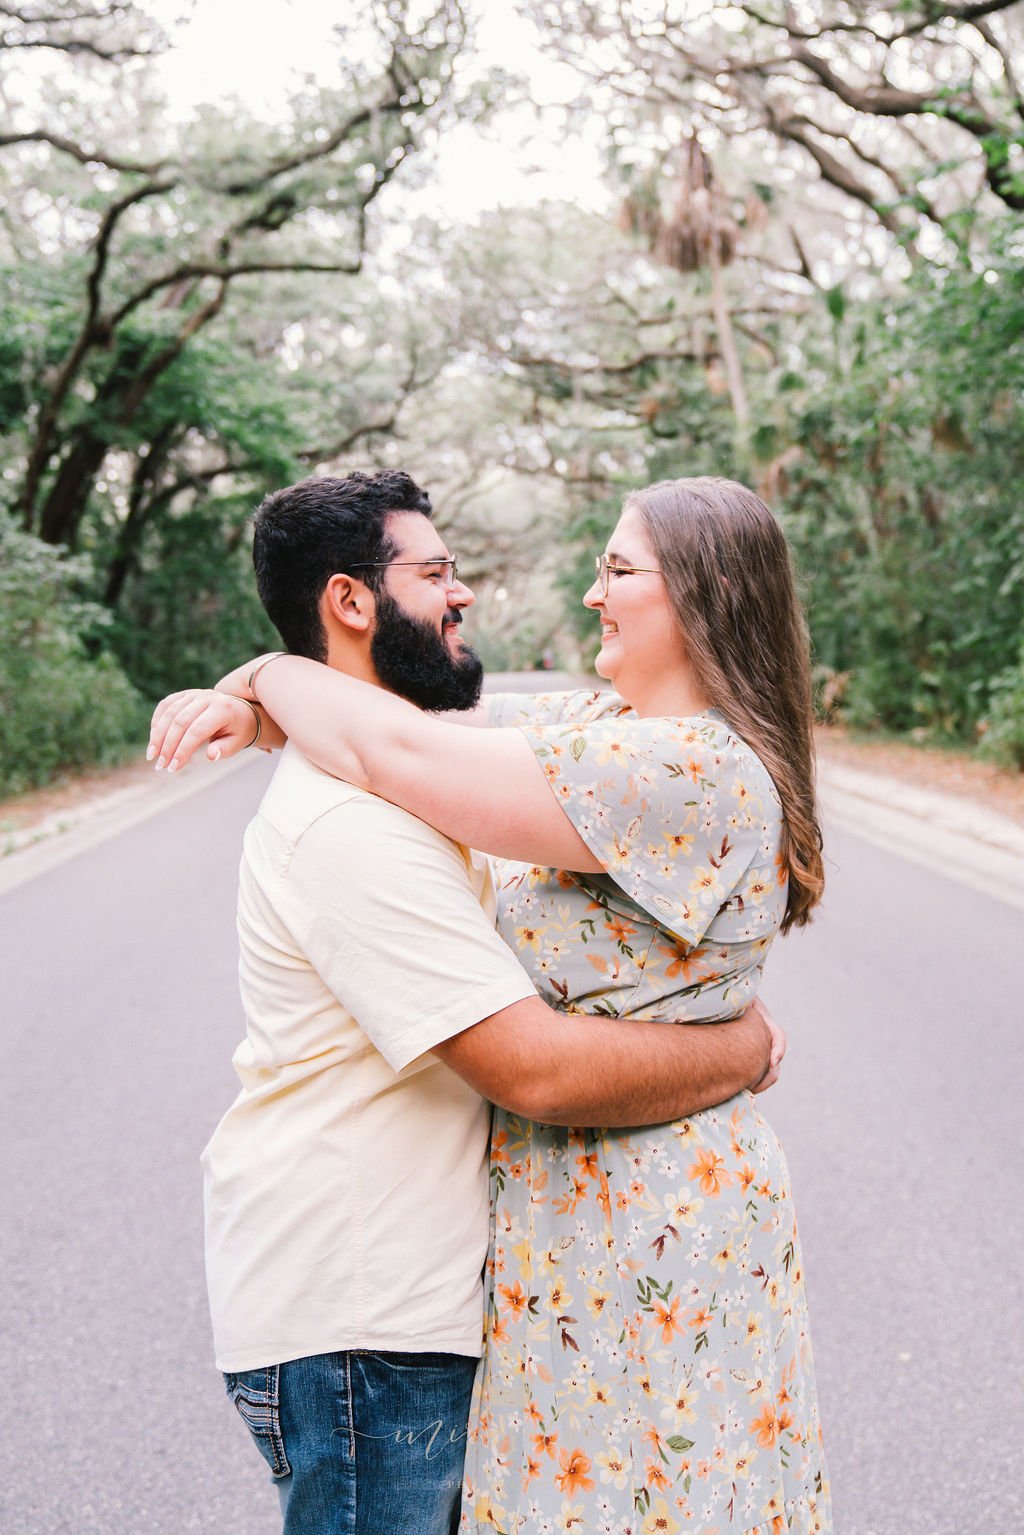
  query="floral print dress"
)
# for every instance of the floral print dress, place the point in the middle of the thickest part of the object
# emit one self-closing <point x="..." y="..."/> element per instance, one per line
<point x="648" y="1366"/>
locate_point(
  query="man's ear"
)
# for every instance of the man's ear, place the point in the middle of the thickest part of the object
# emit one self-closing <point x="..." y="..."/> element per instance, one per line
<point x="348" y="602"/>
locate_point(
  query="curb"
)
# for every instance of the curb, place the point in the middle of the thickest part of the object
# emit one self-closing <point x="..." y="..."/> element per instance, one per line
<point x="962" y="841"/>
<point x="61" y="837"/>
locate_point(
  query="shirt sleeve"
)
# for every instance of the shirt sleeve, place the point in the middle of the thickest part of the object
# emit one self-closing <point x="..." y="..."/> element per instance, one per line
<point x="551" y="708"/>
<point x="683" y="816"/>
<point x="388" y="912"/>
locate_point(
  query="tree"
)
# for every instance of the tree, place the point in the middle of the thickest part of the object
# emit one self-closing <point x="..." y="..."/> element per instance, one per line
<point x="911" y="112"/>
<point x="167" y="236"/>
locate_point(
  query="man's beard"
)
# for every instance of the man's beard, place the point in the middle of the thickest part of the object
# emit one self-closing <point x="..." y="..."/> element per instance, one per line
<point x="413" y="660"/>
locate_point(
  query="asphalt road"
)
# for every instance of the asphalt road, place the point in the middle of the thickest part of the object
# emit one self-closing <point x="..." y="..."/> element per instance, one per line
<point x="900" y="1110"/>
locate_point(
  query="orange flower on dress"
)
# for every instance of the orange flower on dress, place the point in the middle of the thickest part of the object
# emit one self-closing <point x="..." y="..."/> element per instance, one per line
<point x="654" y="1472"/>
<point x="514" y="1300"/>
<point x="619" y="929"/>
<point x="685" y="960"/>
<point x="574" y="1478"/>
<point x="765" y="1427"/>
<point x="604" y="1198"/>
<point x="544" y="1444"/>
<point x="711" y="1170"/>
<point x="667" y="1318"/>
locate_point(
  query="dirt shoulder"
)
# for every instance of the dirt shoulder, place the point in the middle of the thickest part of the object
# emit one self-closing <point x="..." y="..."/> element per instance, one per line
<point x="957" y="774"/>
<point x="68" y="801"/>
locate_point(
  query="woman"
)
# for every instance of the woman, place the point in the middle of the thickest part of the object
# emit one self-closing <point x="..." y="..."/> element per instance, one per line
<point x="648" y="1366"/>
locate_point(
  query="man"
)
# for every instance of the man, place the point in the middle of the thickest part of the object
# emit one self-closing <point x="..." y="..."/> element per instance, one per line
<point x="346" y="1187"/>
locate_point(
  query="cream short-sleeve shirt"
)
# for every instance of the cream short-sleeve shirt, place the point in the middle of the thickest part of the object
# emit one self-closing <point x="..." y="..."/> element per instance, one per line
<point x="346" y="1186"/>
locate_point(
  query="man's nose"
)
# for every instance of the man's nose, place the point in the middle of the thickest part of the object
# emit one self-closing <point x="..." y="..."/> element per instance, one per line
<point x="460" y="595"/>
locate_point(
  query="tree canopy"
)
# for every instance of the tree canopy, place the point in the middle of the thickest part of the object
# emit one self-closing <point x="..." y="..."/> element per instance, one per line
<point x="808" y="277"/>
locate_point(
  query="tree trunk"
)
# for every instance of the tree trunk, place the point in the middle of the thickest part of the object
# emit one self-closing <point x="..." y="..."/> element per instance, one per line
<point x="69" y="494"/>
<point x="141" y="505"/>
<point x="126" y="388"/>
<point x="727" y="340"/>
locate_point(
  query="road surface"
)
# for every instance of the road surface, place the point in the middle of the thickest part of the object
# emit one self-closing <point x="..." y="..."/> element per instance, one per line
<point x="900" y="1110"/>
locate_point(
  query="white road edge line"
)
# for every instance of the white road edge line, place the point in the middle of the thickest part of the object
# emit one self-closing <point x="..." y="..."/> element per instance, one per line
<point x="27" y="863"/>
<point x="996" y="872"/>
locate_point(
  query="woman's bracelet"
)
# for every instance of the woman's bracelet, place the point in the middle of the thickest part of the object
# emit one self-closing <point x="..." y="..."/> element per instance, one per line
<point x="274" y="656"/>
<point x="256" y="716"/>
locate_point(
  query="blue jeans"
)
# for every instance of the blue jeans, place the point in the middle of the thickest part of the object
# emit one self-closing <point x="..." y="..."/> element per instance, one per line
<point x="362" y="1443"/>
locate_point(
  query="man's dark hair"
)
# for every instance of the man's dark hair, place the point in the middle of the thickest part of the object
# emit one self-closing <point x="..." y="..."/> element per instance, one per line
<point x="306" y="533"/>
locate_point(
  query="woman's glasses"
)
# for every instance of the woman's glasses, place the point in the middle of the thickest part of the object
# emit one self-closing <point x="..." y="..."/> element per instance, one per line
<point x="605" y="570"/>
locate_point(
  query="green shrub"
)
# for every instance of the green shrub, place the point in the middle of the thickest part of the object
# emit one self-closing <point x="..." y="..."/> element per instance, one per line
<point x="59" y="706"/>
<point x="1003" y="740"/>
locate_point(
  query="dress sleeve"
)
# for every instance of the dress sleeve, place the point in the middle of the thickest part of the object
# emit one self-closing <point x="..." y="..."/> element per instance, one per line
<point x="551" y="708"/>
<point x="682" y="814"/>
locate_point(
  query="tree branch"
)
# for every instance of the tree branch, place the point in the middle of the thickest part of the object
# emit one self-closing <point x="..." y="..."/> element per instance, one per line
<point x="985" y="31"/>
<point x="319" y="151"/>
<point x="92" y="331"/>
<point x="83" y="156"/>
<point x="570" y="369"/>
<point x="19" y="16"/>
<point x="833" y="170"/>
<point x="224" y="272"/>
<point x="409" y="386"/>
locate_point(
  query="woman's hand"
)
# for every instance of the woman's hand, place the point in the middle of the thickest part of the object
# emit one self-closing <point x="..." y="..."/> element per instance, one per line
<point x="183" y="722"/>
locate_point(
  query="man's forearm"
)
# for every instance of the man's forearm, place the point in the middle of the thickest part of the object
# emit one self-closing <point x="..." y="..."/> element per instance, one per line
<point x="611" y="1072"/>
<point x="568" y="1070"/>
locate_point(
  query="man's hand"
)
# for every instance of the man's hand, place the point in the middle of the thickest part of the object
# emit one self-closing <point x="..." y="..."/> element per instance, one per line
<point x="778" y="1046"/>
<point x="183" y="722"/>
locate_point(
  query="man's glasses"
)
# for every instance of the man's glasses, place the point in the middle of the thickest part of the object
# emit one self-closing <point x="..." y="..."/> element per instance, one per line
<point x="451" y="579"/>
<point x="606" y="570"/>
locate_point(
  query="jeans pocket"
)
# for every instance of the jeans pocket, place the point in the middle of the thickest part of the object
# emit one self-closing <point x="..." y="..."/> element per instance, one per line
<point x="257" y="1396"/>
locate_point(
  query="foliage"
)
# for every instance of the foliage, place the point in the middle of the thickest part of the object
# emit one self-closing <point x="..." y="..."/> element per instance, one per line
<point x="228" y="234"/>
<point x="905" y="496"/>
<point x="60" y="706"/>
<point x="192" y="313"/>
<point x="893" y="117"/>
<point x="1004" y="737"/>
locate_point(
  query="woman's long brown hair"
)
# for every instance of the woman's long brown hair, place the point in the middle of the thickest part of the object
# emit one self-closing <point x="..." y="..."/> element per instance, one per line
<point x="729" y="576"/>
